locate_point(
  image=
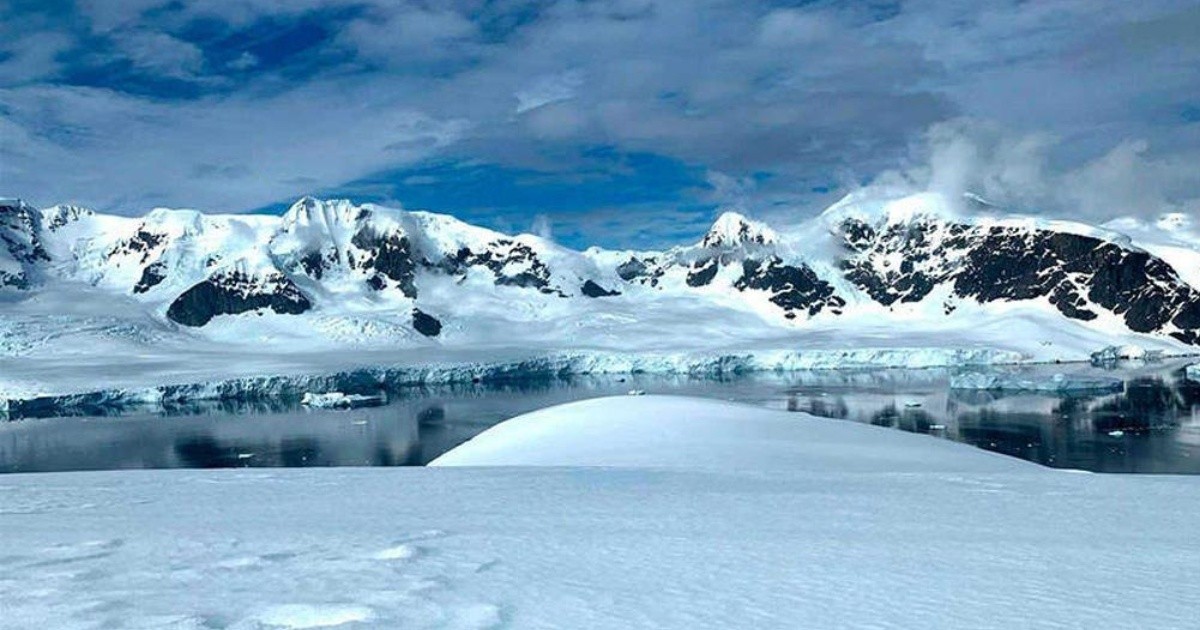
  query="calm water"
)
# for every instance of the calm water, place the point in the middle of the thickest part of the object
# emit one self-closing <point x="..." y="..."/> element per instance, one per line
<point x="1152" y="427"/>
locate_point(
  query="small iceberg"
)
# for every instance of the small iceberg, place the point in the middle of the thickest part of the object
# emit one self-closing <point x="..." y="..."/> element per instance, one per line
<point x="1128" y="352"/>
<point x="1192" y="372"/>
<point x="637" y="392"/>
<point x="338" y="400"/>
<point x="1058" y="383"/>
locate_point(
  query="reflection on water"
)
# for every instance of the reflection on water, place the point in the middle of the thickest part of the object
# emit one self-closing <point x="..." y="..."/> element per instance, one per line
<point x="1151" y="426"/>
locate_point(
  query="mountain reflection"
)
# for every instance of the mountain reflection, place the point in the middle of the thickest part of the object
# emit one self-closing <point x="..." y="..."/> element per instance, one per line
<point x="1150" y="426"/>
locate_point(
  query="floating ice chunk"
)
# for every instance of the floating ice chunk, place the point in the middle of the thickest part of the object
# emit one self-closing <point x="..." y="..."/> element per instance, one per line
<point x="999" y="381"/>
<point x="1127" y="352"/>
<point x="1117" y="433"/>
<point x="1192" y="372"/>
<point x="338" y="400"/>
<point x="637" y="392"/>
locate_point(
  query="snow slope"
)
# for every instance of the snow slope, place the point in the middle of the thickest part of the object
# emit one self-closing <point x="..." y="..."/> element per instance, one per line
<point x="802" y="537"/>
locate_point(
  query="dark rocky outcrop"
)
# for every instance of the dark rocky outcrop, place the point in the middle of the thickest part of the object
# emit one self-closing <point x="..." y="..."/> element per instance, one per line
<point x="593" y="290"/>
<point x="1078" y="274"/>
<point x="631" y="269"/>
<point x="425" y="323"/>
<point x="703" y="272"/>
<point x="498" y="257"/>
<point x="391" y="256"/>
<point x="234" y="292"/>
<point x="20" y="241"/>
<point x="152" y="276"/>
<point x="142" y="243"/>
<point x="313" y="264"/>
<point x="793" y="287"/>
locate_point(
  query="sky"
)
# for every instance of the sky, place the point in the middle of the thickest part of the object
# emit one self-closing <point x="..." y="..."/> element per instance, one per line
<point x="613" y="122"/>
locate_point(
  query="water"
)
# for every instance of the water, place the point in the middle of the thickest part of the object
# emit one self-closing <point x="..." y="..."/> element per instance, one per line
<point x="1153" y="426"/>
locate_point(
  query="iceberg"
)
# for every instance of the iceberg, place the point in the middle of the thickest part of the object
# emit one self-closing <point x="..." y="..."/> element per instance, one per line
<point x="338" y="400"/>
<point x="1192" y="372"/>
<point x="1128" y="352"/>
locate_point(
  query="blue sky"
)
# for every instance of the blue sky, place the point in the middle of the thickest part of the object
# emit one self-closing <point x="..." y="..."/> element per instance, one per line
<point x="616" y="122"/>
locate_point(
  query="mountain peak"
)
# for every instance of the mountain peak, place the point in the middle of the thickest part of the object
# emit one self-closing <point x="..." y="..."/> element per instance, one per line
<point x="732" y="229"/>
<point x="309" y="210"/>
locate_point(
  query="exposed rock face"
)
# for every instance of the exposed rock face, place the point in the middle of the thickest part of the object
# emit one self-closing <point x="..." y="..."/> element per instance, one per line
<point x="1080" y="275"/>
<point x="593" y="290"/>
<point x="631" y="269"/>
<point x="426" y="324"/>
<point x="335" y="249"/>
<point x="733" y="230"/>
<point x="57" y="217"/>
<point x="703" y="272"/>
<point x="513" y="264"/>
<point x="21" y="248"/>
<point x="390" y="256"/>
<point x="336" y="239"/>
<point x="232" y="292"/>
<point x="142" y="245"/>
<point x="152" y="276"/>
<point x="792" y="287"/>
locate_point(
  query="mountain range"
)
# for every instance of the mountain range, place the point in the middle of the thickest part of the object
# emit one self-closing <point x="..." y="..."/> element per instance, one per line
<point x="191" y="268"/>
<point x="330" y="274"/>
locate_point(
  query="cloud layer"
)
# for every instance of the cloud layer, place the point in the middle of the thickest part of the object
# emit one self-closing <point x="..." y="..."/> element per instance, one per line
<point x="1075" y="107"/>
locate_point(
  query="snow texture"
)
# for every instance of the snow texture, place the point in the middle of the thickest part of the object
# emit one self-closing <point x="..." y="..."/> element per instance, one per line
<point x="928" y="535"/>
<point x="679" y="432"/>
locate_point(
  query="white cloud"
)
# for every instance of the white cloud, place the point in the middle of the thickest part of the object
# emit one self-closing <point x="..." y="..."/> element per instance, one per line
<point x="547" y="90"/>
<point x="244" y="61"/>
<point x="224" y="154"/>
<point x="160" y="54"/>
<point x="1012" y="169"/>
<point x="1081" y="99"/>
<point x="542" y="226"/>
<point x="790" y="27"/>
<point x="34" y="57"/>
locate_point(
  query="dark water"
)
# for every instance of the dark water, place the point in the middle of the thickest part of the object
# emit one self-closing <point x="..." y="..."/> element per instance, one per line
<point x="1153" y="426"/>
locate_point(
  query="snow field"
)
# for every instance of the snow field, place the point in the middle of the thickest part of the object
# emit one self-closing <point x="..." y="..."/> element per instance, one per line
<point x="637" y="512"/>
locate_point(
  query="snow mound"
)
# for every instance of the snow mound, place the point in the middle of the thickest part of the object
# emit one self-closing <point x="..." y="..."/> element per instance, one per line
<point x="681" y="432"/>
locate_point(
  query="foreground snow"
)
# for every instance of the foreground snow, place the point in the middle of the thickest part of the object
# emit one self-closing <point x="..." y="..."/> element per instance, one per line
<point x="757" y="519"/>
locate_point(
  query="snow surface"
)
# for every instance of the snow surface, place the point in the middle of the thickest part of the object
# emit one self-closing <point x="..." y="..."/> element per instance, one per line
<point x="936" y="535"/>
<point x="680" y="432"/>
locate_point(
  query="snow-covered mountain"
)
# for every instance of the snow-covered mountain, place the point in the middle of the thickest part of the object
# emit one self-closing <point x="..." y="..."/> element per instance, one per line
<point x="914" y="271"/>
